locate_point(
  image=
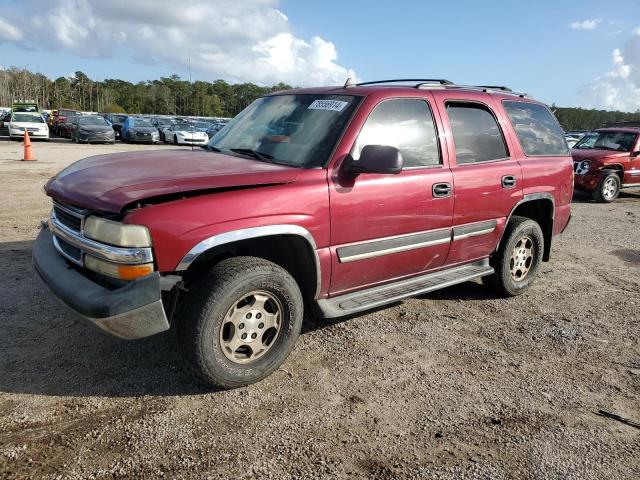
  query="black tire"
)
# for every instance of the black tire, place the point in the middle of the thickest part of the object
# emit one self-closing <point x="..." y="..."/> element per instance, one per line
<point x="519" y="228"/>
<point x="205" y="309"/>
<point x="608" y="189"/>
<point x="175" y="140"/>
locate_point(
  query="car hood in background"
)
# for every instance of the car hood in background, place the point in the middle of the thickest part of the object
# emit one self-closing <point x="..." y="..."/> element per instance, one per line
<point x="96" y="128"/>
<point x="27" y="125"/>
<point x="143" y="129"/>
<point x="588" y="154"/>
<point x="110" y="182"/>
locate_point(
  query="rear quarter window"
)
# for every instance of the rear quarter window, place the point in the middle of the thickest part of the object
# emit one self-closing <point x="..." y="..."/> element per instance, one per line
<point x="537" y="129"/>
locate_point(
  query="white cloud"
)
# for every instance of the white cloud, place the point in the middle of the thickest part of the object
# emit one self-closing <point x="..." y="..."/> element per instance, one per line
<point x="619" y="88"/>
<point x="247" y="40"/>
<point x="586" y="24"/>
<point x="8" y="32"/>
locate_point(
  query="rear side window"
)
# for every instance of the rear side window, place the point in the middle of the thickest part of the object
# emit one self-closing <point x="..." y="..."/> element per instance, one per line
<point x="406" y="124"/>
<point x="537" y="129"/>
<point x="476" y="134"/>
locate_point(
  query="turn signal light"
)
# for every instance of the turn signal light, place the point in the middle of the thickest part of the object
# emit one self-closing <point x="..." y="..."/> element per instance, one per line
<point x="116" y="270"/>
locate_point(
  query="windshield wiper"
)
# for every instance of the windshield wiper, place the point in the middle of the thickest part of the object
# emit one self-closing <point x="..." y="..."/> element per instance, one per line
<point x="252" y="153"/>
<point x="206" y="146"/>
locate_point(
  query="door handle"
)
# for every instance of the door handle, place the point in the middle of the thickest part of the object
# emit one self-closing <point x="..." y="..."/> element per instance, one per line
<point x="441" y="190"/>
<point x="508" y="181"/>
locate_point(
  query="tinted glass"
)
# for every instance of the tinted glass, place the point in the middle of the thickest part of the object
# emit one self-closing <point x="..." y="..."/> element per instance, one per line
<point x="406" y="124"/>
<point x="298" y="130"/>
<point x="476" y="134"/>
<point x="92" y="121"/>
<point x="141" y="122"/>
<point x="537" y="129"/>
<point x="25" y="117"/>
<point x="607" y="140"/>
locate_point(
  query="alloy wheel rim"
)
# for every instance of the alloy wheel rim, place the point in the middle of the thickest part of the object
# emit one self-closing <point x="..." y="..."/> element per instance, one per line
<point x="251" y="327"/>
<point x="522" y="258"/>
<point x="609" y="188"/>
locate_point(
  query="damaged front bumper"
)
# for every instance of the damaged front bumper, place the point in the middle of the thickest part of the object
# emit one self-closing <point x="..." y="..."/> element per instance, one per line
<point x="134" y="310"/>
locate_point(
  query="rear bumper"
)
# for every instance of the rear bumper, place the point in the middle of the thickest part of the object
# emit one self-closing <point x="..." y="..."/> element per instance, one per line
<point x="132" y="311"/>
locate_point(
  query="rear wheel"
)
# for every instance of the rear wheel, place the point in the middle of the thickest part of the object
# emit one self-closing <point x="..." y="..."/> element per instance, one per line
<point x="240" y="321"/>
<point x="517" y="261"/>
<point x="608" y="189"/>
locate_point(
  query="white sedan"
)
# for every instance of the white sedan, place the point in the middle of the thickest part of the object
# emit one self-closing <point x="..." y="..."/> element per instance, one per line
<point x="33" y="122"/>
<point x="184" y="134"/>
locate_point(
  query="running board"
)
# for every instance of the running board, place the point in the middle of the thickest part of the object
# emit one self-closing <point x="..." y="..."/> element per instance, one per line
<point x="392" y="292"/>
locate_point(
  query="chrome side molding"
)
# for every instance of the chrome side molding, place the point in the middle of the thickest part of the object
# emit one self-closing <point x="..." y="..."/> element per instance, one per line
<point x="388" y="245"/>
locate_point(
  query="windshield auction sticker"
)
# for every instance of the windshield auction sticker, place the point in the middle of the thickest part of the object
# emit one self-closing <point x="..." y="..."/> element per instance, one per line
<point x="334" y="105"/>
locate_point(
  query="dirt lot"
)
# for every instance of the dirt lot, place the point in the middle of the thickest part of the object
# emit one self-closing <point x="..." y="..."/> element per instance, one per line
<point x="455" y="384"/>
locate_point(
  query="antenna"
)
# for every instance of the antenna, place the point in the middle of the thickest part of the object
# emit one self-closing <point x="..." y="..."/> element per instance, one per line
<point x="349" y="83"/>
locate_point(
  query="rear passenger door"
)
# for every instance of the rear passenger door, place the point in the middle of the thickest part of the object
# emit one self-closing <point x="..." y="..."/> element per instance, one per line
<point x="487" y="178"/>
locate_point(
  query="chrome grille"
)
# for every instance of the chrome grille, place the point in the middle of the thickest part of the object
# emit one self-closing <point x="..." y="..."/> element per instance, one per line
<point x="69" y="216"/>
<point x="68" y="251"/>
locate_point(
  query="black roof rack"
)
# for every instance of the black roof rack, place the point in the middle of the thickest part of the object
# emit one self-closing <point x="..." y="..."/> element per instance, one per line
<point x="418" y="81"/>
<point x="437" y="83"/>
<point x="495" y="87"/>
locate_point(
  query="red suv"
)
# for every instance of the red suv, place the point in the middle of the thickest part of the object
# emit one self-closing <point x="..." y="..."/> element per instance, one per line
<point x="606" y="161"/>
<point x="339" y="198"/>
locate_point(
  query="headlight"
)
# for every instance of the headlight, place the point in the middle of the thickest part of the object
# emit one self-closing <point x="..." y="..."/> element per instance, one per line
<point x="583" y="167"/>
<point x="116" y="270"/>
<point x="116" y="233"/>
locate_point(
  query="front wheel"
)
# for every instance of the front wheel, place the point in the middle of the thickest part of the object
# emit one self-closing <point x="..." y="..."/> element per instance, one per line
<point x="517" y="261"/>
<point x="608" y="189"/>
<point x="175" y="140"/>
<point x="240" y="321"/>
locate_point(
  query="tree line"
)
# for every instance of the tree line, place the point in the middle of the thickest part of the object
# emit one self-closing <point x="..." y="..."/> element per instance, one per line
<point x="166" y="96"/>
<point x="174" y="96"/>
<point x="585" y="119"/>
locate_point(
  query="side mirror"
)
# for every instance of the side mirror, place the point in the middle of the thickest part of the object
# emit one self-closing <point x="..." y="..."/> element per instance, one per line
<point x="635" y="154"/>
<point x="382" y="159"/>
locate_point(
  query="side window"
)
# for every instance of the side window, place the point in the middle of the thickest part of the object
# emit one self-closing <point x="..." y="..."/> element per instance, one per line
<point x="537" y="129"/>
<point x="476" y="134"/>
<point x="406" y="124"/>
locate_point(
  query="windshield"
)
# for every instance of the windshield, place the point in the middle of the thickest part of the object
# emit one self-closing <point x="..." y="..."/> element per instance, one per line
<point x="163" y="122"/>
<point x="141" y="122"/>
<point x="183" y="126"/>
<point x="119" y="118"/>
<point x="298" y="130"/>
<point x="617" y="141"/>
<point x="92" y="121"/>
<point x="21" y="117"/>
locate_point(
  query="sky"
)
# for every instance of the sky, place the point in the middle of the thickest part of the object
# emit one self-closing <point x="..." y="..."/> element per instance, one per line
<point x="572" y="53"/>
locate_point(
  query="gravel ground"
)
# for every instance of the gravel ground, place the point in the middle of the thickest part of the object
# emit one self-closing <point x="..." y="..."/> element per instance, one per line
<point x="455" y="384"/>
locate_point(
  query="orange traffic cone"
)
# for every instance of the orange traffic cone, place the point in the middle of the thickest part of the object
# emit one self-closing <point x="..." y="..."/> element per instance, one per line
<point x="28" y="155"/>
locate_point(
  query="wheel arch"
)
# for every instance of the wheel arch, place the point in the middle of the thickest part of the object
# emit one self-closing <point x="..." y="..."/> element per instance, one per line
<point x="290" y="246"/>
<point x="539" y="207"/>
<point x="616" y="168"/>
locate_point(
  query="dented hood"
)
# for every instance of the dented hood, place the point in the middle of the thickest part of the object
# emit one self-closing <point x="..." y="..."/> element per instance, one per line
<point x="109" y="182"/>
<point x="595" y="154"/>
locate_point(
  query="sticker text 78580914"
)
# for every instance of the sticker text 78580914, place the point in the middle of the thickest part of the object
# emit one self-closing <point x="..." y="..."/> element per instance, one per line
<point x="334" y="105"/>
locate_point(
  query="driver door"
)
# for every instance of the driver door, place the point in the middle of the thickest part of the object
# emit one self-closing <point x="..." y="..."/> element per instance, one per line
<point x="383" y="226"/>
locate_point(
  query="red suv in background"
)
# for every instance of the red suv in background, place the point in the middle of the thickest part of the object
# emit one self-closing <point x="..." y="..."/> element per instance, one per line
<point x="338" y="198"/>
<point x="606" y="161"/>
<point x="62" y="121"/>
